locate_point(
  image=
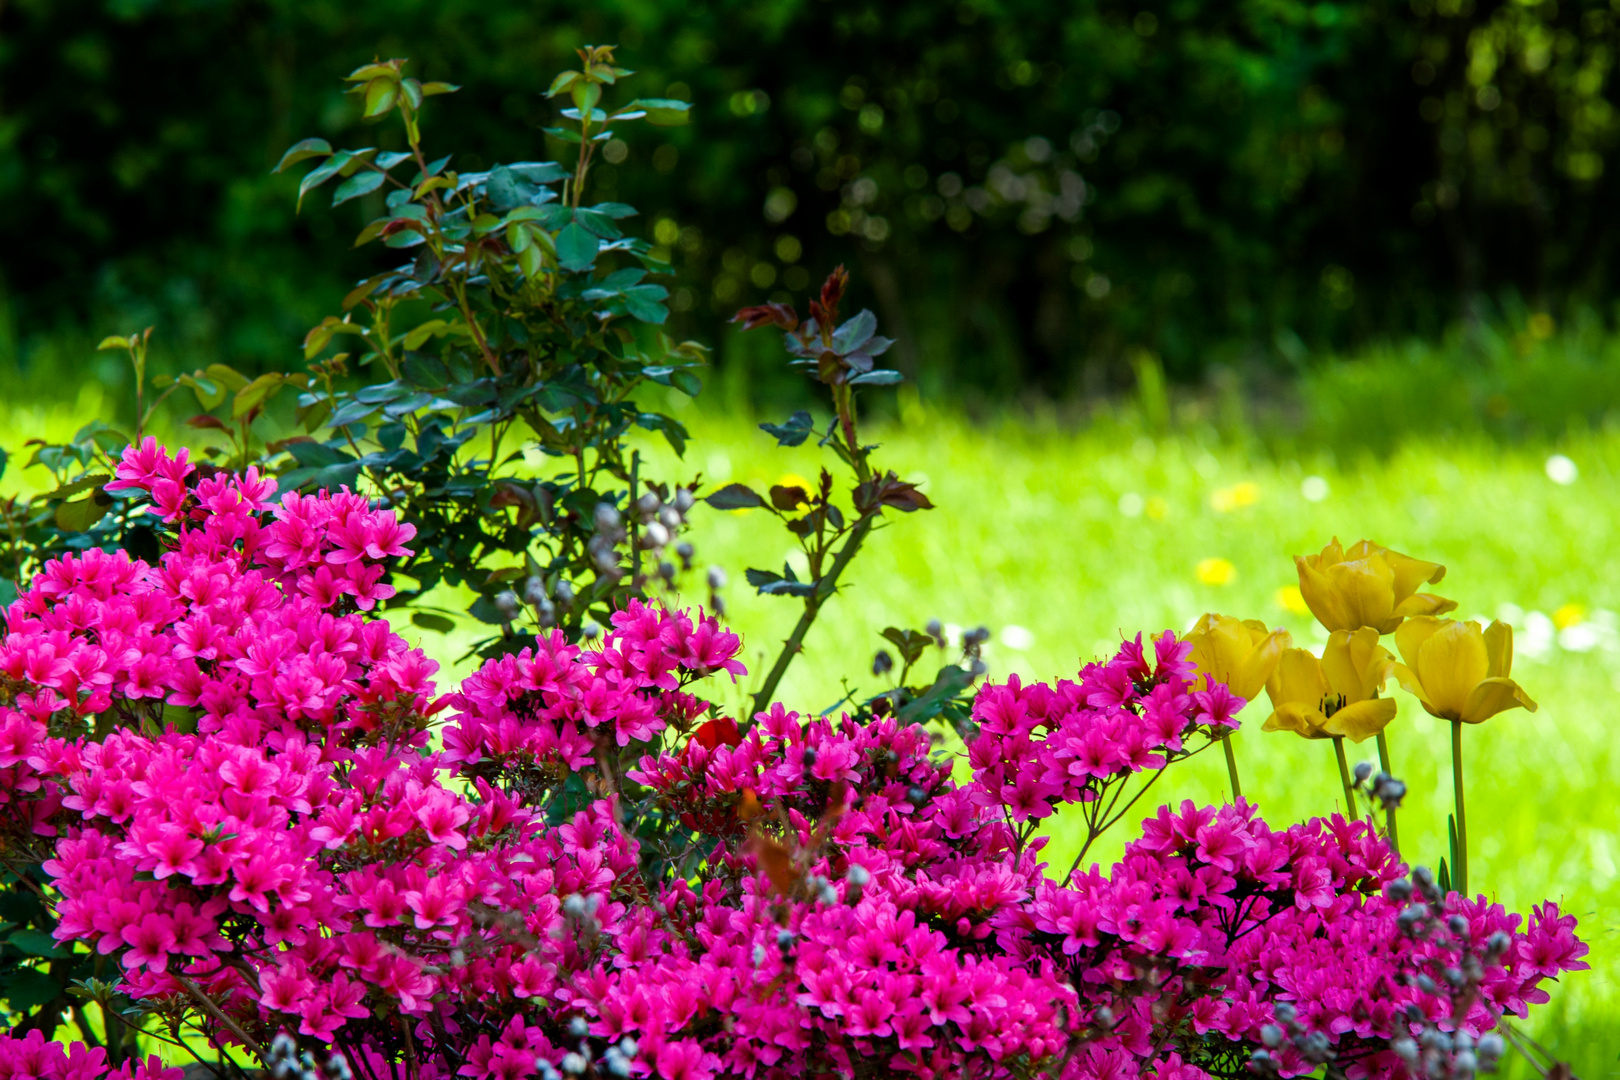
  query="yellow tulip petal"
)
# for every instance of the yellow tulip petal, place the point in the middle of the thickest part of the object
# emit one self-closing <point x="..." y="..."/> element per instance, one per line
<point x="1321" y="597"/>
<point x="1425" y="604"/>
<point x="1410" y="572"/>
<point x="1413" y="633"/>
<point x="1336" y="662"/>
<point x="1493" y="696"/>
<point x="1409" y="682"/>
<point x="1258" y="666"/>
<point x="1499" y="647"/>
<point x="1367" y="589"/>
<point x="1301" y="720"/>
<point x="1361" y="719"/>
<point x="1451" y="663"/>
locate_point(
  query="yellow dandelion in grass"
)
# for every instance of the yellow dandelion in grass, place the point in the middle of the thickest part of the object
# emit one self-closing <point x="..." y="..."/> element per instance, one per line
<point x="1225" y="500"/>
<point x="1569" y="615"/>
<point x="1216" y="571"/>
<point x="1291" y="600"/>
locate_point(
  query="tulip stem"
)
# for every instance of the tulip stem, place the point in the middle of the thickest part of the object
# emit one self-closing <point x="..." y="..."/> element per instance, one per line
<point x="1344" y="778"/>
<point x="1389" y="815"/>
<point x="1459" y="873"/>
<point x="1231" y="766"/>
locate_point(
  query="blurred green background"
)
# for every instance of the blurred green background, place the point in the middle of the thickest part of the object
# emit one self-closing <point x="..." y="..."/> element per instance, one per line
<point x="1184" y="288"/>
<point x="1029" y="193"/>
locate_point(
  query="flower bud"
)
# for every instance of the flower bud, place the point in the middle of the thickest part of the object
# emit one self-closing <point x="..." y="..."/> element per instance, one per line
<point x="1364" y="769"/>
<point x="669" y="518"/>
<point x="655" y="536"/>
<point x="882" y="663"/>
<point x="506" y="602"/>
<point x="574" y="1063"/>
<point x="546" y="612"/>
<point x="607" y="517"/>
<point x="684" y="501"/>
<point x="936" y="630"/>
<point x="717" y="578"/>
<point x="666" y="570"/>
<point x="534" y="590"/>
<point x="857" y="875"/>
<point x="648" y="504"/>
<point x="685" y="551"/>
<point x="565" y="593"/>
<point x="578" y="1028"/>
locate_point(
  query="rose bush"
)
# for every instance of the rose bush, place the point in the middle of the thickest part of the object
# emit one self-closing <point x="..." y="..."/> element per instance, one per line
<point x="247" y="794"/>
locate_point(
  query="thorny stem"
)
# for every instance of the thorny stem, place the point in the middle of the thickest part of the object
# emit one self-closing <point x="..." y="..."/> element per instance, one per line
<point x="1389" y="815"/>
<point x="213" y="1010"/>
<point x="812" y="607"/>
<point x="1459" y="874"/>
<point x="1231" y="765"/>
<point x="1344" y="778"/>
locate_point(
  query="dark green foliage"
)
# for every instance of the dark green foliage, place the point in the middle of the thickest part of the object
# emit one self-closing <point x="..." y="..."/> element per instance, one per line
<point x="1047" y="185"/>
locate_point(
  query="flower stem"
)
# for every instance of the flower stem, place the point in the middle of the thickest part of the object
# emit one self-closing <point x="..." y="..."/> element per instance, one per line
<point x="1389" y="815"/>
<point x="1231" y="766"/>
<point x="1459" y="873"/>
<point x="1344" y="778"/>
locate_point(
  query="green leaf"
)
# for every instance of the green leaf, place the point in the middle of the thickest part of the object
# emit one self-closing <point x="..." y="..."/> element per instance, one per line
<point x="301" y="150"/>
<point x="80" y="516"/>
<point x="600" y="224"/>
<point x="663" y="112"/>
<point x="431" y="328"/>
<point x="792" y="433"/>
<point x="27" y="988"/>
<point x="564" y="82"/>
<point x="4" y="457"/>
<point x="880" y="377"/>
<point x="113" y="342"/>
<point x="322" y="173"/>
<point x="433" y="89"/>
<point x="950" y="682"/>
<point x="227" y="376"/>
<point x="576" y="248"/>
<point x="254" y="393"/>
<point x="565" y="134"/>
<point x="36" y="943"/>
<point x="686" y="382"/>
<point x="380" y="97"/>
<point x="646" y="303"/>
<point x="428" y="621"/>
<point x="735" y="497"/>
<point x="357" y="185"/>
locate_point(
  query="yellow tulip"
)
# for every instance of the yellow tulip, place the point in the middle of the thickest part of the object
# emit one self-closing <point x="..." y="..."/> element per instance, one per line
<point x="1240" y="653"/>
<point x="1336" y="696"/>
<point x="1367" y="585"/>
<point x="1458" y="670"/>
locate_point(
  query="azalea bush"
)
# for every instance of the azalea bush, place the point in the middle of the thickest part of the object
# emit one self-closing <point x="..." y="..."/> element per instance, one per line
<point x="595" y="872"/>
<point x="242" y="820"/>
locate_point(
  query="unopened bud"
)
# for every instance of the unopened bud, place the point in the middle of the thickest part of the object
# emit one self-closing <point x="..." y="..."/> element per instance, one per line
<point x="685" y="551"/>
<point x="534" y="590"/>
<point x="684" y="501"/>
<point x="564" y="593"/>
<point x="717" y="578"/>
<point x="655" y="536"/>
<point x="648" y="504"/>
<point x="607" y="517"/>
<point x="857" y="875"/>
<point x="669" y="518"/>
<point x="882" y="663"/>
<point x="1364" y="769"/>
<point x="506" y="602"/>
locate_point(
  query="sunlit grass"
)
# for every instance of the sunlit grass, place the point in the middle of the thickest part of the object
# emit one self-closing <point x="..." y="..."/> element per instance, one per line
<point x="1062" y="541"/>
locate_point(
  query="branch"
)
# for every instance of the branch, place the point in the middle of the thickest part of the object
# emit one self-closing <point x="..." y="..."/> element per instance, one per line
<point x="213" y="1010"/>
<point x="812" y="607"/>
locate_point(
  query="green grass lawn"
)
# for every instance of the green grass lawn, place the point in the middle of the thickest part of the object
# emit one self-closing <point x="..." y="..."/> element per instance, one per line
<point x="1062" y="541"/>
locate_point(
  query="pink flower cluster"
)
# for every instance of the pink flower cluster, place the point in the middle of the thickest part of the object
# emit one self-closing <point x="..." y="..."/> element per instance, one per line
<point x="31" y="1057"/>
<point x="1044" y="745"/>
<point x="233" y="779"/>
